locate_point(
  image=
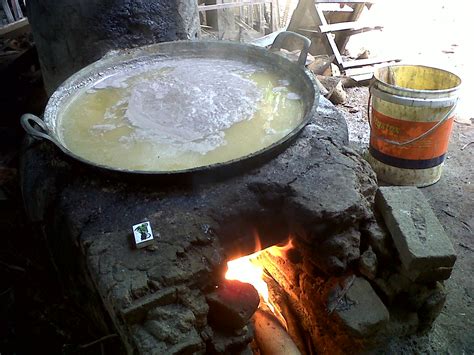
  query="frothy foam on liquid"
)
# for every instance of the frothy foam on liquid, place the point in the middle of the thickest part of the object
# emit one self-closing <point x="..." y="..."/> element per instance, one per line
<point x="173" y="115"/>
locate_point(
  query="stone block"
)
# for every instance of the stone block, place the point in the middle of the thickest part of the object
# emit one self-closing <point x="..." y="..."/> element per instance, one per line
<point x="145" y="342"/>
<point x="138" y="310"/>
<point x="418" y="236"/>
<point x="432" y="307"/>
<point x="190" y="344"/>
<point x="431" y="275"/>
<point x="392" y="285"/>
<point x="378" y="239"/>
<point x="173" y="271"/>
<point x="232" y="304"/>
<point x="196" y="302"/>
<point x="361" y="310"/>
<point x="168" y="329"/>
<point x="334" y="255"/>
<point x="175" y="315"/>
<point x="368" y="264"/>
<point x="224" y="343"/>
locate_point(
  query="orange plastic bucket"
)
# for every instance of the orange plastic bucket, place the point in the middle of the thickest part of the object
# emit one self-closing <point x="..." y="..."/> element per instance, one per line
<point x="411" y="112"/>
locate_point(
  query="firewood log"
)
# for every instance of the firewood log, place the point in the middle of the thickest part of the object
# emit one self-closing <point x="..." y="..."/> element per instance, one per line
<point x="271" y="337"/>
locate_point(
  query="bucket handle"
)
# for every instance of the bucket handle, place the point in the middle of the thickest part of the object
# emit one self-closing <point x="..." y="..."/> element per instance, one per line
<point x="413" y="140"/>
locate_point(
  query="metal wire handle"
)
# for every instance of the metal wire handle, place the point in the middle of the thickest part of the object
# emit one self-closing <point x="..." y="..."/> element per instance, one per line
<point x="413" y="140"/>
<point x="38" y="133"/>
<point x="279" y="40"/>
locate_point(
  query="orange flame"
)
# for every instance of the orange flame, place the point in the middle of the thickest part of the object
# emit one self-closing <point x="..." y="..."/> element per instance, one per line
<point x="249" y="269"/>
<point x="281" y="251"/>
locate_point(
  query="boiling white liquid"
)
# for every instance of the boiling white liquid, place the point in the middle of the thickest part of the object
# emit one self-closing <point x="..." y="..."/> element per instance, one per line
<point x="175" y="115"/>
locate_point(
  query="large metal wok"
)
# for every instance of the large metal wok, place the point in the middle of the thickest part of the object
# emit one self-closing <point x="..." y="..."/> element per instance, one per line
<point x="302" y="79"/>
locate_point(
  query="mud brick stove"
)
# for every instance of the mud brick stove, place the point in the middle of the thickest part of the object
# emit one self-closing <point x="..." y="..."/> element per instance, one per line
<point x="340" y="287"/>
<point x="342" y="283"/>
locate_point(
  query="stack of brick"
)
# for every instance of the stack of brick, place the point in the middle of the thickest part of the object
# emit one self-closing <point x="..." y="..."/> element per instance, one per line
<point x="425" y="251"/>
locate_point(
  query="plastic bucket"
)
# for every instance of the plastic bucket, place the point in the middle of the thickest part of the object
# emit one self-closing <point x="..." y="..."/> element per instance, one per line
<point x="411" y="109"/>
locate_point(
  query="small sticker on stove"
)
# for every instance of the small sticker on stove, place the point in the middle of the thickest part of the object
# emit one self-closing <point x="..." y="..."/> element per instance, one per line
<point x="143" y="234"/>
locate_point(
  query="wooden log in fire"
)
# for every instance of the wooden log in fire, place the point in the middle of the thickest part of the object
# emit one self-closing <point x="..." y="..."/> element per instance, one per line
<point x="280" y="300"/>
<point x="271" y="337"/>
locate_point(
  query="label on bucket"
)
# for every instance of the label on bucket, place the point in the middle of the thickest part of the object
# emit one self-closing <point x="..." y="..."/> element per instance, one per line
<point x="424" y="153"/>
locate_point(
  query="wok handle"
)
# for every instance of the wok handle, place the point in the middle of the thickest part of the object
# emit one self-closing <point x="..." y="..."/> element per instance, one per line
<point x="280" y="40"/>
<point x="39" y="133"/>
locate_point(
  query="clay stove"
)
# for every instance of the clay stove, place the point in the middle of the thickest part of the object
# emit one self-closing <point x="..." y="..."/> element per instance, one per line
<point x="338" y="288"/>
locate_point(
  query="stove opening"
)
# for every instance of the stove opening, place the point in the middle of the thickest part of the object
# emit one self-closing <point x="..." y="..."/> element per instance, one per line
<point x="272" y="319"/>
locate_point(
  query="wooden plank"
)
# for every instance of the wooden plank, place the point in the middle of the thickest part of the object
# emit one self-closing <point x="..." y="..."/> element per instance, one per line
<point x="220" y="25"/>
<point x="369" y="61"/>
<point x="346" y="9"/>
<point x="359" y="71"/>
<point x="329" y="37"/>
<point x="286" y="12"/>
<point x="343" y="37"/>
<point x="275" y="14"/>
<point x="349" y="33"/>
<point x="305" y="16"/>
<point x="17" y="10"/>
<point x="305" y="12"/>
<point x="8" y="12"/>
<point x="14" y="29"/>
<point x="204" y="8"/>
<point x="250" y="16"/>
<point x="312" y="32"/>
<point x="341" y="26"/>
<point x="362" y="77"/>
<point x="261" y="19"/>
<point x="345" y="2"/>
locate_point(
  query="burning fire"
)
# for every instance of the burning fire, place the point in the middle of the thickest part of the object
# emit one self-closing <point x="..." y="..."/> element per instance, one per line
<point x="249" y="269"/>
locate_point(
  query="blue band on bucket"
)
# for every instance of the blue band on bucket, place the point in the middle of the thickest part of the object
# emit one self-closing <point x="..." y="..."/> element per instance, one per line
<point x="406" y="163"/>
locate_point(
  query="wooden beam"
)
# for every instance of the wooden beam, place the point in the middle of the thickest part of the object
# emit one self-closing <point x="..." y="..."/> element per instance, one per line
<point x="342" y="26"/>
<point x="231" y="5"/>
<point x="359" y="71"/>
<point x="7" y="10"/>
<point x="342" y="38"/>
<point x="14" y="29"/>
<point x="312" y="33"/>
<point x="369" y="61"/>
<point x="329" y="37"/>
<point x="17" y="10"/>
<point x="220" y="25"/>
<point x="275" y="14"/>
<point x="345" y="2"/>
<point x="362" y="77"/>
<point x="349" y="33"/>
<point x="251" y="16"/>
